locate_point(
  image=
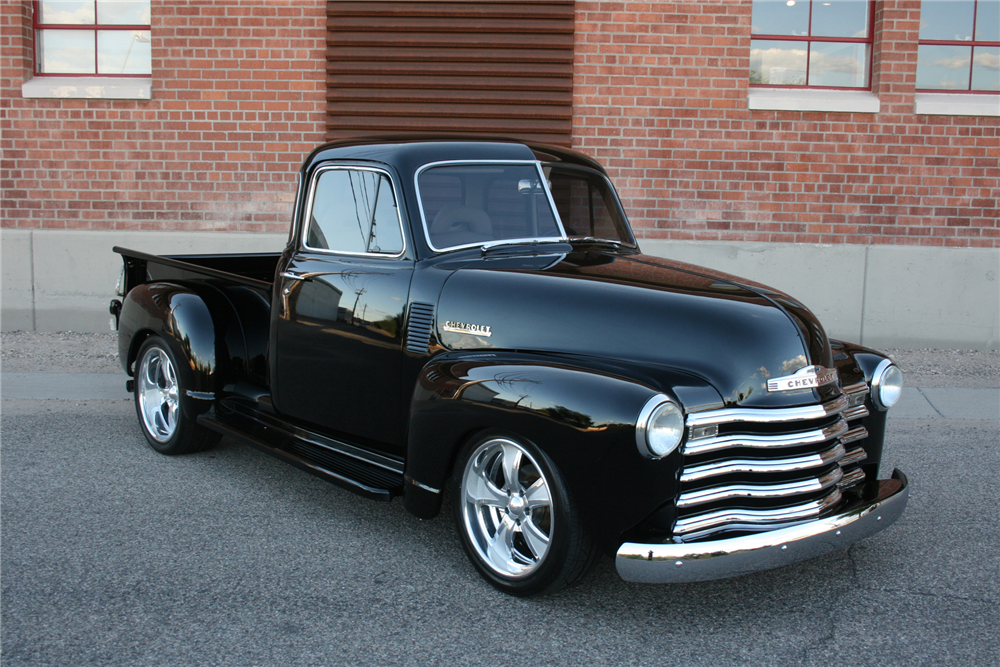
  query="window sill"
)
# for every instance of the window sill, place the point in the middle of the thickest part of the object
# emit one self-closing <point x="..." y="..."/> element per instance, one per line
<point x="87" y="87"/>
<point x="784" y="99"/>
<point x="956" y="104"/>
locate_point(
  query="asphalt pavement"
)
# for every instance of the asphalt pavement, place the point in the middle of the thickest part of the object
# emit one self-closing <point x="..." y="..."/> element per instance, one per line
<point x="115" y="555"/>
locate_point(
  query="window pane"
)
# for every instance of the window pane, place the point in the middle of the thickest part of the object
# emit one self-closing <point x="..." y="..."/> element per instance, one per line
<point x="65" y="51"/>
<point x="386" y="235"/>
<point x="117" y="12"/>
<point x="780" y="17"/>
<point x="840" y="65"/>
<point x="943" y="67"/>
<point x="986" y="68"/>
<point x="585" y="205"/>
<point x="840" y="18"/>
<point x="778" y="63"/>
<point x="343" y="210"/>
<point x="498" y="201"/>
<point x="946" y="19"/>
<point x="988" y="21"/>
<point x="72" y="12"/>
<point x="124" y="52"/>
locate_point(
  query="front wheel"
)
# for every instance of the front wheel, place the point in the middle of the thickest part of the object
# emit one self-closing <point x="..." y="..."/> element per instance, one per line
<point x="157" y="393"/>
<point x="516" y="519"/>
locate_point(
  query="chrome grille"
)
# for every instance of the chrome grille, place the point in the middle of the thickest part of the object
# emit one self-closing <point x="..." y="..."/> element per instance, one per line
<point x="755" y="469"/>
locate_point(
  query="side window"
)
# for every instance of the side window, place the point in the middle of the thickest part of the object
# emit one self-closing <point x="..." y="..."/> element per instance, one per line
<point x="354" y="211"/>
<point x="581" y="200"/>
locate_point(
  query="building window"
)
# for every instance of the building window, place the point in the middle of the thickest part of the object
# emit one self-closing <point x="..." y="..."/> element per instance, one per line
<point x="107" y="38"/>
<point x="811" y="43"/>
<point x="959" y="46"/>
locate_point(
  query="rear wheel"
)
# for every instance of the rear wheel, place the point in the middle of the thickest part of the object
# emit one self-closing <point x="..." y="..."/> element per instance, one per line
<point x="157" y="393"/>
<point x="516" y="519"/>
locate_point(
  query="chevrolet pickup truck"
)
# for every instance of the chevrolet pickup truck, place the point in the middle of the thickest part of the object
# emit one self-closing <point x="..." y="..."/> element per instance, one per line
<point x="476" y="317"/>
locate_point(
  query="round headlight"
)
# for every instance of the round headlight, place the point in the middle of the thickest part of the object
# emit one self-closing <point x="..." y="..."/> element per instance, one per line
<point x="887" y="385"/>
<point x="660" y="427"/>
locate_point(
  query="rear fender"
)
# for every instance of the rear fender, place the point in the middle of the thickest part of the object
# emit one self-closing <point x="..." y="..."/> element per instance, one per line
<point x="583" y="419"/>
<point x="200" y="328"/>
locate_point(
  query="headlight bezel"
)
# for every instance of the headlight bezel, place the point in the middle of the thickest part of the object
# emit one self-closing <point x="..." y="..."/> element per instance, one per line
<point x="882" y="382"/>
<point x="651" y="412"/>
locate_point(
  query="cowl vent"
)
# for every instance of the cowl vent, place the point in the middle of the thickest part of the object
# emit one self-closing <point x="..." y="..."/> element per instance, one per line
<point x="418" y="331"/>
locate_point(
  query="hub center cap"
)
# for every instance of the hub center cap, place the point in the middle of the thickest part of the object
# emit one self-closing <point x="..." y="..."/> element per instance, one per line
<point x="517" y="505"/>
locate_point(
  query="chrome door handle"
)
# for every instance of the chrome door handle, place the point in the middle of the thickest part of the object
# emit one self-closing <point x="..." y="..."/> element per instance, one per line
<point x="294" y="276"/>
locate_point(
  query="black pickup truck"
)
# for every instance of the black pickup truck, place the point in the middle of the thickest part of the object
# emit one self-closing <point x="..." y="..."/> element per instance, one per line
<point x="477" y="316"/>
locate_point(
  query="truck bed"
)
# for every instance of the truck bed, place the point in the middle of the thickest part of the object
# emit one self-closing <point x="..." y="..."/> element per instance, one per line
<point x="254" y="270"/>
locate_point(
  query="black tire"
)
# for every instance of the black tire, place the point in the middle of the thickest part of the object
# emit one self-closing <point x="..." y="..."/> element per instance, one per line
<point x="516" y="519"/>
<point x="157" y="391"/>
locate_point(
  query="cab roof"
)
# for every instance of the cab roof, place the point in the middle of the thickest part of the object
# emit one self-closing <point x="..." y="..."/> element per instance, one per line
<point x="408" y="153"/>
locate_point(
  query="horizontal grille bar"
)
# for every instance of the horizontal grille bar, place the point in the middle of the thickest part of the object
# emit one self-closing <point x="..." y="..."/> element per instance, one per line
<point x="815" y="436"/>
<point x="791" y="464"/>
<point x="852" y="478"/>
<point x="859" y="412"/>
<point x="853" y="456"/>
<point x="765" y="416"/>
<point x="858" y="388"/>
<point x="749" y="519"/>
<point x="781" y="490"/>
<point x="859" y="433"/>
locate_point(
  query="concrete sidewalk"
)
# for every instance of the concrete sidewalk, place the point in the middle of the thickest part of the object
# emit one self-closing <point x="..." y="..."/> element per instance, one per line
<point x="916" y="402"/>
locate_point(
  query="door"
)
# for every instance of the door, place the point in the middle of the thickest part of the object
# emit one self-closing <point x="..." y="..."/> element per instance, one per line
<point x="342" y="300"/>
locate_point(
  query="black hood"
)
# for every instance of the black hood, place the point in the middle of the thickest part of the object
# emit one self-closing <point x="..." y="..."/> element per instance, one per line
<point x="641" y="311"/>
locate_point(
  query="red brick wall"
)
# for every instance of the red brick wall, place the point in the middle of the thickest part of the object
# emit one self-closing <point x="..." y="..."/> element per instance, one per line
<point x="660" y="96"/>
<point x="238" y="100"/>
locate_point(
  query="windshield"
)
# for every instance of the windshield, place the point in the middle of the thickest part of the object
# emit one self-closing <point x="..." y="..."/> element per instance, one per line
<point x="472" y="204"/>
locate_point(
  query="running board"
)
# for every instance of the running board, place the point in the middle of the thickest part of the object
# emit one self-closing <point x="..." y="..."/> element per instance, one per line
<point x="377" y="478"/>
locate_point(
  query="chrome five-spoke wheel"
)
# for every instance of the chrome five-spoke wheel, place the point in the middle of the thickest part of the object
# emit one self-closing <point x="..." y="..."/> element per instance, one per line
<point x="516" y="517"/>
<point x="506" y="507"/>
<point x="157" y="394"/>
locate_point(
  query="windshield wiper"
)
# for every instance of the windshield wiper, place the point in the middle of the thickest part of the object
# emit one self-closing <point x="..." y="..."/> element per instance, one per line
<point x="571" y="241"/>
<point x="492" y="246"/>
<point x="593" y="240"/>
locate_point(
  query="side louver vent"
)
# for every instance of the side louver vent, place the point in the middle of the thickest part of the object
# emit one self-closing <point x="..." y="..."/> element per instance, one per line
<point x="418" y="333"/>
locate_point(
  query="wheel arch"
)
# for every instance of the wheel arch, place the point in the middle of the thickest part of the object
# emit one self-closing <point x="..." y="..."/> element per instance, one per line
<point x="197" y="325"/>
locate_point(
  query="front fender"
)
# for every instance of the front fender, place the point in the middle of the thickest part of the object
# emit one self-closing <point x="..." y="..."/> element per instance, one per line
<point x="188" y="324"/>
<point x="858" y="365"/>
<point x="583" y="419"/>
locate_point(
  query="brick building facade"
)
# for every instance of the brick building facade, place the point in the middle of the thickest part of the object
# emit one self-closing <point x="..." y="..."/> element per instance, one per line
<point x="238" y="100"/>
<point x="705" y="163"/>
<point x="661" y="96"/>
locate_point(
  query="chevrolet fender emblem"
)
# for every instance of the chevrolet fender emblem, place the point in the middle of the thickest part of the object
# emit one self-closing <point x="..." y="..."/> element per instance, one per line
<point x="804" y="378"/>
<point x="466" y="328"/>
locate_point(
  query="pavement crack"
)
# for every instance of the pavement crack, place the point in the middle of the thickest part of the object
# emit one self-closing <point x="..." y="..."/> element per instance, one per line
<point x="930" y="402"/>
<point x="854" y="565"/>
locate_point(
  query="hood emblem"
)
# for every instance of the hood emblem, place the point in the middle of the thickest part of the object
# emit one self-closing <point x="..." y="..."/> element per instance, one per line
<point x="804" y="378"/>
<point x="467" y="328"/>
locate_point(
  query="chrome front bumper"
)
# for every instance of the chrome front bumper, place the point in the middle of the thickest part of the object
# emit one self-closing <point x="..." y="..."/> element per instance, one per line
<point x="719" y="559"/>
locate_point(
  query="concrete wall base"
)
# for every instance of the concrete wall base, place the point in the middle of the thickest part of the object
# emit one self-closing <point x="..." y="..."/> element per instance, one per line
<point x="883" y="296"/>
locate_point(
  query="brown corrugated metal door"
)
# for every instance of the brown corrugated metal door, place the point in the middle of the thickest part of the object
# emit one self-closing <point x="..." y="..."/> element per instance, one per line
<point x="499" y="68"/>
